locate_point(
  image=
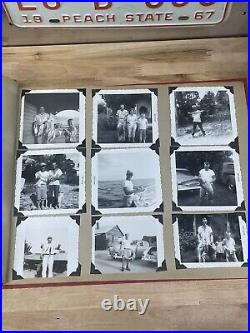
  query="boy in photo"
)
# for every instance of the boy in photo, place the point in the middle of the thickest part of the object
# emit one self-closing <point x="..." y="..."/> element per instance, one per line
<point x="229" y="245"/>
<point x="207" y="179"/>
<point x="127" y="253"/>
<point x="142" y="126"/>
<point x="197" y="121"/>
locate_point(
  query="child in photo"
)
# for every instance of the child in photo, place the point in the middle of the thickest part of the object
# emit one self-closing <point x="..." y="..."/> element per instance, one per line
<point x="220" y="251"/>
<point x="142" y="126"/>
<point x="229" y="245"/>
<point x="197" y="121"/>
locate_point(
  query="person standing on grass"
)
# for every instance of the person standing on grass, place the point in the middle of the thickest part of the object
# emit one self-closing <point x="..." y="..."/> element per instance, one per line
<point x="121" y="116"/>
<point x="207" y="178"/>
<point x="55" y="175"/>
<point x="127" y="253"/>
<point x="197" y="121"/>
<point x="143" y="125"/>
<point x="42" y="178"/>
<point x="132" y="125"/>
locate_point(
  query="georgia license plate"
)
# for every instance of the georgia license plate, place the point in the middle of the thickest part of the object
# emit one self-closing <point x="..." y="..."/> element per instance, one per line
<point x="115" y="14"/>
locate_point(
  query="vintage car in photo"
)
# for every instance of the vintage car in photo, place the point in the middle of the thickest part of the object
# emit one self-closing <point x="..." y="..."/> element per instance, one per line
<point x="186" y="181"/>
<point x="138" y="247"/>
<point x="150" y="254"/>
<point x="226" y="176"/>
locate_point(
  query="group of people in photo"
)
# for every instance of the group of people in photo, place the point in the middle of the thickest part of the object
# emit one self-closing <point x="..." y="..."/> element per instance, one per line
<point x="45" y="128"/>
<point x="48" y="186"/>
<point x="222" y="250"/>
<point x="128" y="123"/>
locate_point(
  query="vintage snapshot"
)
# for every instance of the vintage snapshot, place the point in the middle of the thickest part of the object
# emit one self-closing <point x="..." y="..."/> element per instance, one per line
<point x="218" y="240"/>
<point x="203" y="116"/>
<point x="132" y="244"/>
<point x="47" y="247"/>
<point x="126" y="180"/>
<point x="206" y="179"/>
<point x="50" y="182"/>
<point x="52" y="119"/>
<point x="125" y="118"/>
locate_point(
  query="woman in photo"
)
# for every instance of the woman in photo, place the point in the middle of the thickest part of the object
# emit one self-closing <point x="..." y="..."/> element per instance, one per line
<point x="132" y="125"/>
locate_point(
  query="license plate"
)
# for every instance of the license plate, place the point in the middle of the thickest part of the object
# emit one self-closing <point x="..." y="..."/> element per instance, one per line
<point x="115" y="14"/>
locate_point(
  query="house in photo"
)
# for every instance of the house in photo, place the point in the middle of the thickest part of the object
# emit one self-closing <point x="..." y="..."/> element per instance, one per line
<point x="106" y="235"/>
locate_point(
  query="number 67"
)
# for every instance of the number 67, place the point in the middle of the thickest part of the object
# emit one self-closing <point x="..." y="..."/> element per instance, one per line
<point x="204" y="15"/>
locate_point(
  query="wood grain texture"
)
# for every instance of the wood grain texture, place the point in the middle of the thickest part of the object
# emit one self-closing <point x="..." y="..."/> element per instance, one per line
<point x="115" y="64"/>
<point x="186" y="305"/>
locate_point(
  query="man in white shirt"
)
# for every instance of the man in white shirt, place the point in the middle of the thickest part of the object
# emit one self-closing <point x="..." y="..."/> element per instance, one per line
<point x="143" y="125"/>
<point x="54" y="185"/>
<point x="121" y="123"/>
<point x="128" y="188"/>
<point x="127" y="253"/>
<point x="197" y="122"/>
<point x="205" y="241"/>
<point x="132" y="125"/>
<point x="39" y="126"/>
<point x="207" y="178"/>
<point x="229" y="246"/>
<point x="48" y="255"/>
<point x="42" y="178"/>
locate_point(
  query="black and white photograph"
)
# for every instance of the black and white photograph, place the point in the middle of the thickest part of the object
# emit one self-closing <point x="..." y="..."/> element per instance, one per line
<point x="52" y="119"/>
<point x="47" y="247"/>
<point x="218" y="240"/>
<point x="203" y="116"/>
<point x="125" y="118"/>
<point x="50" y="182"/>
<point x="206" y="178"/>
<point x="126" y="180"/>
<point x="132" y="244"/>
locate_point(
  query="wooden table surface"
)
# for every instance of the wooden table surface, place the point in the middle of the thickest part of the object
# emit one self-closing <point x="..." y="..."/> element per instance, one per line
<point x="174" y="305"/>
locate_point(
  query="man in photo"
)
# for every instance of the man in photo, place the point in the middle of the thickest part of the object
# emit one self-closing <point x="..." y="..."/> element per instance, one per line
<point x="207" y="178"/>
<point x="197" y="121"/>
<point x="142" y="126"/>
<point x="132" y="125"/>
<point x="55" y="175"/>
<point x="40" y="125"/>
<point x="229" y="245"/>
<point x="70" y="133"/>
<point x="48" y="255"/>
<point x="129" y="191"/>
<point x="127" y="253"/>
<point x="121" y="115"/>
<point x="205" y="242"/>
<point x="42" y="178"/>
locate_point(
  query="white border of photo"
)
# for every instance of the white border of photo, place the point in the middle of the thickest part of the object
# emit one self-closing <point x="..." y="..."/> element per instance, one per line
<point x="82" y="101"/>
<point x="244" y="242"/>
<point x="64" y="222"/>
<point x="155" y="131"/>
<point x="196" y="142"/>
<point x="155" y="173"/>
<point x="159" y="239"/>
<point x="18" y="186"/>
<point x="238" y="180"/>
